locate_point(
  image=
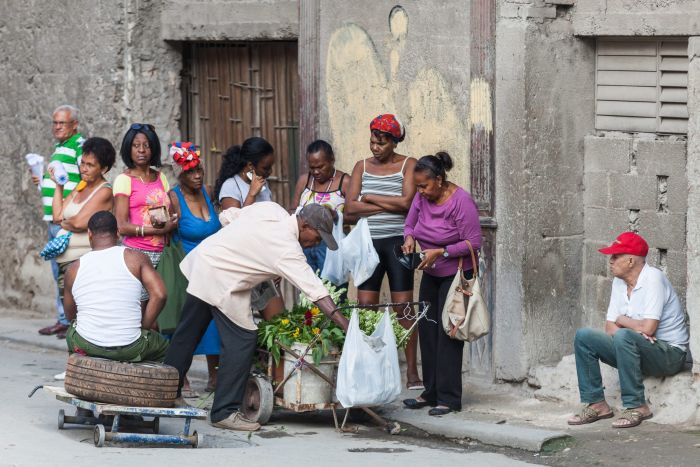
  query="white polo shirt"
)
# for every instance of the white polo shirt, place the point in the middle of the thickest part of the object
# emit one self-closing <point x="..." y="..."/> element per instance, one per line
<point x="653" y="297"/>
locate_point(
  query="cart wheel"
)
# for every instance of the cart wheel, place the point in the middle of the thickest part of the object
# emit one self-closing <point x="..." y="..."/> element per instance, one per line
<point x="156" y="425"/>
<point x="258" y="401"/>
<point x="197" y="439"/>
<point x="61" y="418"/>
<point x="98" y="435"/>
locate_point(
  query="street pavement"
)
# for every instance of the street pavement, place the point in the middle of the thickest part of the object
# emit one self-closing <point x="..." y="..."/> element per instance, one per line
<point x="507" y="414"/>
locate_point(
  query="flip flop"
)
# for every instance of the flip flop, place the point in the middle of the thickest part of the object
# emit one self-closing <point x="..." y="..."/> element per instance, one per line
<point x="633" y="416"/>
<point x="589" y="415"/>
<point x="415" y="385"/>
<point x="189" y="394"/>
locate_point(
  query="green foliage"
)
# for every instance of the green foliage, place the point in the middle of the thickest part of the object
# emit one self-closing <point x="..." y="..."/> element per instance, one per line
<point x="304" y="322"/>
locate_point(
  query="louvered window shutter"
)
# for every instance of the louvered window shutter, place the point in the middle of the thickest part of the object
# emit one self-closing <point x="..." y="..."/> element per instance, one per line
<point x="641" y="86"/>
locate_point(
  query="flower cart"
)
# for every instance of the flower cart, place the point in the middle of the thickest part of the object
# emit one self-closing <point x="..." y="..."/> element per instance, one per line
<point x="300" y="357"/>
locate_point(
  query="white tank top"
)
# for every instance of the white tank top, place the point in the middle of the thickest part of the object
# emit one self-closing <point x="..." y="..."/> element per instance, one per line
<point x="108" y="298"/>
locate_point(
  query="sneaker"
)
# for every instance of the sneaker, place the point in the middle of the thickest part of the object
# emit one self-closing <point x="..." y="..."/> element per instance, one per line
<point x="236" y="421"/>
<point x="60" y="376"/>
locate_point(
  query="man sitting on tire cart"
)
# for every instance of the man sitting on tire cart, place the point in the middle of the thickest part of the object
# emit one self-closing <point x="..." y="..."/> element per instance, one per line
<point x="102" y="298"/>
<point x="261" y="242"/>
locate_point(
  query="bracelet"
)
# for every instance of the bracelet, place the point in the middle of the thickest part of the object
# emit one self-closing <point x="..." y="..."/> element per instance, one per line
<point x="359" y="198"/>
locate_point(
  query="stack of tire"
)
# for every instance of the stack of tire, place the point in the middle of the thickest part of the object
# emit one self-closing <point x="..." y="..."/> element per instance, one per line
<point x="129" y="384"/>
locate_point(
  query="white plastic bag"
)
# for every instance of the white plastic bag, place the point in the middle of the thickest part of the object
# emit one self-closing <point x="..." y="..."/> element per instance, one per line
<point x="359" y="256"/>
<point x="333" y="268"/>
<point x="368" y="372"/>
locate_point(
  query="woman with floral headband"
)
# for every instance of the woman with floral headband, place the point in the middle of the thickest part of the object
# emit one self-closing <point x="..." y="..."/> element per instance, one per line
<point x="381" y="189"/>
<point x="191" y="201"/>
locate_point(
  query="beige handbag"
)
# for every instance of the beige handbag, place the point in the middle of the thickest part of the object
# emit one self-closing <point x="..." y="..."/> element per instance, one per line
<point x="465" y="315"/>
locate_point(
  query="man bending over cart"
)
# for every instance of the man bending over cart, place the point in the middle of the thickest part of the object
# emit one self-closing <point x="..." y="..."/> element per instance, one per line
<point x="261" y="242"/>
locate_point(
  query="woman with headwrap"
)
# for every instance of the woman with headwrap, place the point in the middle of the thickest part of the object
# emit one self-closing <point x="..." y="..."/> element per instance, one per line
<point x="191" y="201"/>
<point x="381" y="189"/>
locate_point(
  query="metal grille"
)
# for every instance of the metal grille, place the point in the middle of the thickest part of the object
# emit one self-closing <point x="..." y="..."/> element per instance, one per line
<point x="233" y="91"/>
<point x="641" y="86"/>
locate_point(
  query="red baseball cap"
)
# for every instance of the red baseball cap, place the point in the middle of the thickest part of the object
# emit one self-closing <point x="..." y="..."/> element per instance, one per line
<point x="627" y="243"/>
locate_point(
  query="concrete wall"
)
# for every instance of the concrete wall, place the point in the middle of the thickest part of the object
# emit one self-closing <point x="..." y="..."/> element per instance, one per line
<point x="105" y="57"/>
<point x="414" y="63"/>
<point x="693" y="220"/>
<point x="637" y="17"/>
<point x="633" y="184"/>
<point x="189" y="20"/>
<point x="544" y="108"/>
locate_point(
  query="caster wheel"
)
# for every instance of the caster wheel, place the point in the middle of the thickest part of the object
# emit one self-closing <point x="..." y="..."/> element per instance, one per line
<point x="259" y="400"/>
<point x="99" y="435"/>
<point x="156" y="425"/>
<point x="61" y="418"/>
<point x="197" y="439"/>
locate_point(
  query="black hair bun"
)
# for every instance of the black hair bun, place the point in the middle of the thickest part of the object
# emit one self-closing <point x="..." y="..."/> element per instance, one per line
<point x="445" y="160"/>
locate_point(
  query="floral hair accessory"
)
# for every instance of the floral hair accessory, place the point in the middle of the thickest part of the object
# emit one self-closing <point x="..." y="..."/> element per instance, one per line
<point x="388" y="123"/>
<point x="185" y="155"/>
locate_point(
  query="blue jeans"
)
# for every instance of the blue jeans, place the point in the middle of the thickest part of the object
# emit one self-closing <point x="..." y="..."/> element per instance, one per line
<point x="60" y="315"/>
<point x="316" y="256"/>
<point x="632" y="355"/>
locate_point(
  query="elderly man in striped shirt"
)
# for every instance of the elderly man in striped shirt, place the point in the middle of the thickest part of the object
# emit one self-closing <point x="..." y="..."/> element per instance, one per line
<point x="68" y="150"/>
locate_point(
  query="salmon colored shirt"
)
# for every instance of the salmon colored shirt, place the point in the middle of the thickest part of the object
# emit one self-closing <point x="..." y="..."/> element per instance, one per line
<point x="143" y="196"/>
<point x="260" y="242"/>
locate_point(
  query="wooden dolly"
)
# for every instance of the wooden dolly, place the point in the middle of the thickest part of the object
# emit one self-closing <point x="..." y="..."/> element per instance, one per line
<point x="112" y="433"/>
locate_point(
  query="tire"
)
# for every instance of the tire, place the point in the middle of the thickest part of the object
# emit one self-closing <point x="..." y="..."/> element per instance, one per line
<point x="61" y="419"/>
<point x="131" y="384"/>
<point x="259" y="400"/>
<point x="98" y="435"/>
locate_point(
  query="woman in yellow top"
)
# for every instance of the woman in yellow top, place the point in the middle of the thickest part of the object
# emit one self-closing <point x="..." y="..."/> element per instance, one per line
<point x="91" y="195"/>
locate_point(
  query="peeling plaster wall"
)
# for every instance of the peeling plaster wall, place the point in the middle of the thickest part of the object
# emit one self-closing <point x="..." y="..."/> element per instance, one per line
<point x="414" y="63"/>
<point x="544" y="108"/>
<point x="637" y="17"/>
<point x="105" y="57"/>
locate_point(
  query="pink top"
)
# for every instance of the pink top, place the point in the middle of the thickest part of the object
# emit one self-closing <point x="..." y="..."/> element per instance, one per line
<point x="143" y="196"/>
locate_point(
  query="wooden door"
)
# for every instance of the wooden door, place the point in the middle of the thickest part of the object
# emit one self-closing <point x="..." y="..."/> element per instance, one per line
<point x="232" y="91"/>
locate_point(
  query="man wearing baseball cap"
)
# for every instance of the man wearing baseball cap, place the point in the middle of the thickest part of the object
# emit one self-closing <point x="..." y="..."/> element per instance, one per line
<point x="258" y="243"/>
<point x="645" y="335"/>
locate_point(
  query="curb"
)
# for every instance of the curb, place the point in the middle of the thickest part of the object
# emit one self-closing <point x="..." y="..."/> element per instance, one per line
<point x="502" y="435"/>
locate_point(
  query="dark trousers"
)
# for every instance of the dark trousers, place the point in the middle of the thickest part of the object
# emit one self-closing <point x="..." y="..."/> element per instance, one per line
<point x="237" y="349"/>
<point x="441" y="357"/>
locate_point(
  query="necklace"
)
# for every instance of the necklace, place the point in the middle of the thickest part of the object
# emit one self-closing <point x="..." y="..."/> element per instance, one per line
<point x="330" y="181"/>
<point x="148" y="176"/>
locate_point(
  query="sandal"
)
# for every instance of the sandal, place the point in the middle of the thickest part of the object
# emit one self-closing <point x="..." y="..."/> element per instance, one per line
<point x="633" y="416"/>
<point x="415" y="385"/>
<point x="589" y="415"/>
<point x="189" y="394"/>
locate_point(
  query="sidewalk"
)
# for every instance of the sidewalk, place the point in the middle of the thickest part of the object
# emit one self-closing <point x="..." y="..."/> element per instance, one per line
<point x="503" y="415"/>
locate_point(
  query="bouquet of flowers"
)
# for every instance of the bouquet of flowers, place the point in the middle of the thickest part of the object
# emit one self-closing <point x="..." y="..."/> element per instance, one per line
<point x="305" y="322"/>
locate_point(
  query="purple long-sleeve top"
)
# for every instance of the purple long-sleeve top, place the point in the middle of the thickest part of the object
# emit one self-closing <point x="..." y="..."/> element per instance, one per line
<point x="447" y="226"/>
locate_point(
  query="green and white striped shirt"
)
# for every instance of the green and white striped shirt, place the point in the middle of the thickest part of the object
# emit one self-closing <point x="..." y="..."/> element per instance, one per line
<point x="67" y="153"/>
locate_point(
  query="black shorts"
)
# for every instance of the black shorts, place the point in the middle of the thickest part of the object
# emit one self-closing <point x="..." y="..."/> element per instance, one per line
<point x="400" y="278"/>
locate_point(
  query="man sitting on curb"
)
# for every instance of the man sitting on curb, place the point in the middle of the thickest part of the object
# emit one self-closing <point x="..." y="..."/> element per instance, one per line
<point x="103" y="299"/>
<point x="645" y="335"/>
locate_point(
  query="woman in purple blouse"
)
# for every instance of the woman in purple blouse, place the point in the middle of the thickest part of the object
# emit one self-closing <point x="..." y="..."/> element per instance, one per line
<point x="441" y="218"/>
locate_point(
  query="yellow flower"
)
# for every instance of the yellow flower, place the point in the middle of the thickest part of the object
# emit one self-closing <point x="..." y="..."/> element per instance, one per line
<point x="315" y="330"/>
<point x="297" y="331"/>
<point x="285" y="322"/>
<point x="315" y="311"/>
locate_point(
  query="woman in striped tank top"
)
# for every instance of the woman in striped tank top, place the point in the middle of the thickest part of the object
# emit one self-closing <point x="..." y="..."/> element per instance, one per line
<point x="381" y="189"/>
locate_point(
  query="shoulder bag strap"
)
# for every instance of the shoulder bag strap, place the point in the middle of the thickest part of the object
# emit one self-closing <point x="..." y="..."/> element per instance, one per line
<point x="475" y="264"/>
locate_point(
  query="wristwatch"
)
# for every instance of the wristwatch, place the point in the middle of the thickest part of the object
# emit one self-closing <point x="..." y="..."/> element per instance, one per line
<point x="445" y="254"/>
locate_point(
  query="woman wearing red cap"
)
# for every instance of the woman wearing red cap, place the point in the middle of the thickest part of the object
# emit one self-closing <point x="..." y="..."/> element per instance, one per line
<point x="381" y="189"/>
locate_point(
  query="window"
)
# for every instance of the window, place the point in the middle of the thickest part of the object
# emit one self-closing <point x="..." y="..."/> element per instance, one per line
<point x="641" y="86"/>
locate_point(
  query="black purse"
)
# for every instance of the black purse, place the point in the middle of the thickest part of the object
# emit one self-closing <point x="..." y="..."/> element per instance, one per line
<point x="409" y="261"/>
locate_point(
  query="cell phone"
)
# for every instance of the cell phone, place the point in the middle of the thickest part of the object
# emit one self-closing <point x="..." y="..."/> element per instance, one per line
<point x="159" y="214"/>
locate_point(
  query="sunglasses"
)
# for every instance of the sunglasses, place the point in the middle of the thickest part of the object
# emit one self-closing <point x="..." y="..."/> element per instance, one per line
<point x="142" y="126"/>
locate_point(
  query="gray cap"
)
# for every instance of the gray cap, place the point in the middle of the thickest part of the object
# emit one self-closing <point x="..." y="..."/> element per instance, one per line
<point x="320" y="218"/>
